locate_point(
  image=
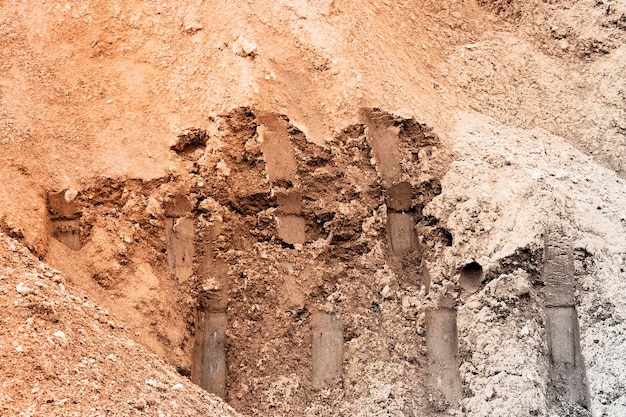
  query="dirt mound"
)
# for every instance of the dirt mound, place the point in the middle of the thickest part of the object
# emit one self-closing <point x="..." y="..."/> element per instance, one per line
<point x="552" y="65"/>
<point x="62" y="354"/>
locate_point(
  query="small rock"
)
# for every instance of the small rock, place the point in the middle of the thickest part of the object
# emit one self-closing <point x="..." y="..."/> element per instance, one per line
<point x="177" y="387"/>
<point x="524" y="331"/>
<point x="560" y="175"/>
<point x="386" y="292"/>
<point x="193" y="27"/>
<point x="59" y="334"/>
<point x="489" y="392"/>
<point x="70" y="194"/>
<point x="23" y="289"/>
<point x="141" y="404"/>
<point x="244" y="47"/>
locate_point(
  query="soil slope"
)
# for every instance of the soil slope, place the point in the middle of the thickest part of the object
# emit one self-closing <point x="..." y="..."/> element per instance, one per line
<point x="62" y="355"/>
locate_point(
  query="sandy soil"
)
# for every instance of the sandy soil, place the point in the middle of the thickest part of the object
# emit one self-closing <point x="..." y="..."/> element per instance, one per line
<point x="391" y="165"/>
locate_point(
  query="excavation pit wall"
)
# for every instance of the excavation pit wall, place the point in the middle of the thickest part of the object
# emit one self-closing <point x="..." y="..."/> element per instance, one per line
<point x="260" y="171"/>
<point x="255" y="292"/>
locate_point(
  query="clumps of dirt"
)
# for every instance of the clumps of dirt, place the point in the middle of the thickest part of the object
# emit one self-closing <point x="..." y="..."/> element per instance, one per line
<point x="12" y="231"/>
<point x="342" y="189"/>
<point x="64" y="355"/>
<point x="127" y="208"/>
<point x="232" y="172"/>
<point x="191" y="143"/>
<point x="510" y="9"/>
<point x="603" y="328"/>
<point x="502" y="348"/>
<point x="528" y="258"/>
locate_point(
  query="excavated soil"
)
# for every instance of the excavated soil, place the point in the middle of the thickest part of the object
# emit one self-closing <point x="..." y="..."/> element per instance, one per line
<point x="354" y="208"/>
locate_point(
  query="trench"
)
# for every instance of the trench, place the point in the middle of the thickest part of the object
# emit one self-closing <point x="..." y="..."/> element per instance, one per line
<point x="567" y="369"/>
<point x="208" y="365"/>
<point x="382" y="137"/>
<point x="209" y="362"/>
<point x="209" y="368"/>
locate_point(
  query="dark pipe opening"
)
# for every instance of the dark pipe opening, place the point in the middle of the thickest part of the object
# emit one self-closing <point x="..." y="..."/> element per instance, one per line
<point x="471" y="276"/>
